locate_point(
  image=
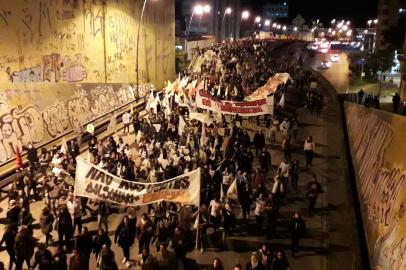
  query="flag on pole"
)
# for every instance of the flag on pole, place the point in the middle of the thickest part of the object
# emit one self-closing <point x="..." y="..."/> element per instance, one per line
<point x="232" y="192"/>
<point x="282" y="101"/>
<point x="203" y="136"/>
<point x="64" y="146"/>
<point x="182" y="125"/>
<point x="156" y="102"/>
<point x="150" y="102"/>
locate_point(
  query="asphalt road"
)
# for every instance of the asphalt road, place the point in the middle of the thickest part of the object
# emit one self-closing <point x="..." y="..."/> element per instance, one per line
<point x="337" y="74"/>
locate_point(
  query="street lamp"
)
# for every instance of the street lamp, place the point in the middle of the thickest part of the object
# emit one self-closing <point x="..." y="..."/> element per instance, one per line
<point x="267" y="23"/>
<point x="227" y="11"/>
<point x="333" y="21"/>
<point x="138" y="45"/>
<point x="245" y="15"/>
<point x="274" y="25"/>
<point x="369" y="23"/>
<point x="257" y="19"/>
<point x="284" y="28"/>
<point x="375" y="21"/>
<point x="207" y="9"/>
<point x="295" y="28"/>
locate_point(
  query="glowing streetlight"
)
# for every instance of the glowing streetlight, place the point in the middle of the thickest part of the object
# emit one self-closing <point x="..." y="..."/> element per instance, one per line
<point x="274" y="25"/>
<point x="257" y="19"/>
<point x="279" y="26"/>
<point x="284" y="28"/>
<point x="207" y="9"/>
<point x="345" y="27"/>
<point x="348" y="22"/>
<point x="245" y="15"/>
<point x="198" y="10"/>
<point x="228" y="11"/>
<point x="333" y="21"/>
<point x="375" y="21"/>
<point x="369" y="23"/>
<point x="267" y="23"/>
<point x="349" y="33"/>
<point x="295" y="28"/>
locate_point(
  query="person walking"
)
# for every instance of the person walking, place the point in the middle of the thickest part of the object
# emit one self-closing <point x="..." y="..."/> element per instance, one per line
<point x="294" y="174"/>
<point x="124" y="238"/>
<point x="265" y="160"/>
<point x="259" y="212"/>
<point x="313" y="191"/>
<point x="103" y="211"/>
<point x="59" y="260"/>
<point x="297" y="231"/>
<point x="9" y="239"/>
<point x="280" y="262"/>
<point x="64" y="227"/>
<point x="396" y="102"/>
<point x="99" y="240"/>
<point x="24" y="247"/>
<point x="165" y="259"/>
<point x="84" y="245"/>
<point x="309" y="148"/>
<point x="46" y="222"/>
<point x="106" y="259"/>
<point x="287" y="147"/>
<point x="255" y="263"/>
<point x="259" y="141"/>
<point x="126" y="118"/>
<point x="42" y="258"/>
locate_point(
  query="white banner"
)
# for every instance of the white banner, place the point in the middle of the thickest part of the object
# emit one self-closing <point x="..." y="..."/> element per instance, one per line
<point x="245" y="108"/>
<point x="95" y="183"/>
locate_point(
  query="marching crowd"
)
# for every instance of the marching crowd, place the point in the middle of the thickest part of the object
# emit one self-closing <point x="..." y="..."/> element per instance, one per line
<point x="233" y="187"/>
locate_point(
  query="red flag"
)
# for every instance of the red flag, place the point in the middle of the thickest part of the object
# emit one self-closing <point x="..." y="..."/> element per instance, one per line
<point x="19" y="160"/>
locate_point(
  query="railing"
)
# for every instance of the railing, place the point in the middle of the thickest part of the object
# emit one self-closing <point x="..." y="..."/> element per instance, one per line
<point x="8" y="176"/>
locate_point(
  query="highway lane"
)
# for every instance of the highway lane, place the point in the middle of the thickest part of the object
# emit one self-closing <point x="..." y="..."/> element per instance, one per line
<point x="337" y="74"/>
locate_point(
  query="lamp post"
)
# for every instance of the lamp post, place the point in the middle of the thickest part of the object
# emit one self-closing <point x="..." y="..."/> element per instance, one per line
<point x="138" y="45"/>
<point x="244" y="16"/>
<point x="227" y="11"/>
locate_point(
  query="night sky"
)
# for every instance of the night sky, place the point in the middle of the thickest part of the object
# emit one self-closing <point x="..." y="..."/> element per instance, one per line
<point x="358" y="11"/>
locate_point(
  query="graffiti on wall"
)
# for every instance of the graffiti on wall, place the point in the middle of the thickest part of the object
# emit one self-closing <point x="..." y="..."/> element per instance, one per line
<point x="40" y="41"/>
<point x="20" y="125"/>
<point x="381" y="179"/>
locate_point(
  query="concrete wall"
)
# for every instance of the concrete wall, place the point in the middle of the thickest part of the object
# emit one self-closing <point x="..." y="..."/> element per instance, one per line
<point x="378" y="148"/>
<point x="64" y="63"/>
<point x="85" y="41"/>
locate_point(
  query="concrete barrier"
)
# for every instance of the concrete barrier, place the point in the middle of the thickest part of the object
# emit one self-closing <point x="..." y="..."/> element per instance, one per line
<point x="377" y="141"/>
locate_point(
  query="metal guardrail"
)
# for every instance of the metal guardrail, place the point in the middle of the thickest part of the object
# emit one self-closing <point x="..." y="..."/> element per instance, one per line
<point x="9" y="176"/>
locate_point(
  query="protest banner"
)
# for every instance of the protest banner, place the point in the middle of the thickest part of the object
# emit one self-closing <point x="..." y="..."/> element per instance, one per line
<point x="270" y="87"/>
<point x="245" y="108"/>
<point x="95" y="183"/>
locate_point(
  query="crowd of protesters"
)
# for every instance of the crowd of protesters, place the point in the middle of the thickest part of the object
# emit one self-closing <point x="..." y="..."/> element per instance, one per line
<point x="157" y="154"/>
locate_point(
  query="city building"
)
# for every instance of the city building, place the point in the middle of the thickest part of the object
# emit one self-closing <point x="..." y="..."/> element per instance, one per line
<point x="388" y="15"/>
<point x="220" y="18"/>
<point x="276" y="10"/>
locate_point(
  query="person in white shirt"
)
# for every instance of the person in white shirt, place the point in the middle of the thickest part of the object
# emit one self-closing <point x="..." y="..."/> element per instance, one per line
<point x="214" y="209"/>
<point x="126" y="121"/>
<point x="284" y="172"/>
<point x="73" y="205"/>
<point x="259" y="212"/>
<point x="309" y="148"/>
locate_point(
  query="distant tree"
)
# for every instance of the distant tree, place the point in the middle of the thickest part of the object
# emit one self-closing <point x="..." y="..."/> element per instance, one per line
<point x="298" y="21"/>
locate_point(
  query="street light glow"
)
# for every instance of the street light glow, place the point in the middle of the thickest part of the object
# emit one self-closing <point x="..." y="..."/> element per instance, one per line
<point x="245" y="14"/>
<point x="267" y="23"/>
<point x="284" y="28"/>
<point x="258" y="19"/>
<point x="279" y="26"/>
<point x="207" y="8"/>
<point x="295" y="28"/>
<point x="198" y="10"/>
<point x="228" y="10"/>
<point x="375" y="21"/>
<point x="274" y="25"/>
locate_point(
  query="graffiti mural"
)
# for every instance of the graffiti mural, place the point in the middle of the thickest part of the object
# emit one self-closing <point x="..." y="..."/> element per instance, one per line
<point x="35" y="123"/>
<point x="377" y="148"/>
<point x="92" y="41"/>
